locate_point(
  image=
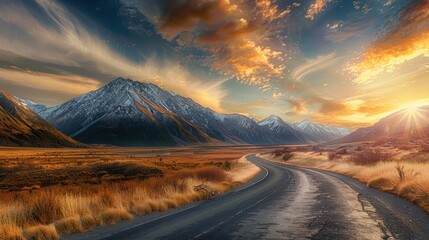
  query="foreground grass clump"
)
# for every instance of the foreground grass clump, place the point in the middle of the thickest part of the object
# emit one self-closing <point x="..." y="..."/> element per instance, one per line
<point x="370" y="157"/>
<point x="58" y="210"/>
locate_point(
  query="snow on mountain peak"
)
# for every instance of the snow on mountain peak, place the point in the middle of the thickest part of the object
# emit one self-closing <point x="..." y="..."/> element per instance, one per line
<point x="272" y="121"/>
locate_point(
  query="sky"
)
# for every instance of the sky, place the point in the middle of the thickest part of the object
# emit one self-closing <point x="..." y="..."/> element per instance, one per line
<point x="336" y="62"/>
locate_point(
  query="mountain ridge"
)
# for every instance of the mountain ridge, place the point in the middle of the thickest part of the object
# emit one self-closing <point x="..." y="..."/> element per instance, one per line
<point x="125" y="112"/>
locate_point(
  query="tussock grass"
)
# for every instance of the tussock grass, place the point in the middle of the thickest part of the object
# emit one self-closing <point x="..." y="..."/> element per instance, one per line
<point x="69" y="225"/>
<point x="390" y="169"/>
<point x="59" y="210"/>
<point x="8" y="232"/>
<point x="384" y="176"/>
<point x="48" y="192"/>
<point x="41" y="232"/>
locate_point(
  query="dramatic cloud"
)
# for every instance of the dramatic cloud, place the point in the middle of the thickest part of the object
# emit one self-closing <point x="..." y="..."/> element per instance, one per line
<point x="270" y="11"/>
<point x="313" y="65"/>
<point x="407" y="41"/>
<point x="54" y="37"/>
<point x="316" y="7"/>
<point x="235" y="33"/>
<point x="247" y="61"/>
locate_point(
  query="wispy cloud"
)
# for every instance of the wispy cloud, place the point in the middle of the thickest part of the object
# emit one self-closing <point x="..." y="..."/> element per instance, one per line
<point x="407" y="41"/>
<point x="313" y="65"/>
<point x="345" y="31"/>
<point x="54" y="36"/>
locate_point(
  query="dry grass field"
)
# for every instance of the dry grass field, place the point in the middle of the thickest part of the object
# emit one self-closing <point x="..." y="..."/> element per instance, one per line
<point x="401" y="169"/>
<point x="48" y="192"/>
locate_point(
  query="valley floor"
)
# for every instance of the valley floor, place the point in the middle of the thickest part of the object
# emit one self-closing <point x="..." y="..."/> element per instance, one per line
<point x="49" y="192"/>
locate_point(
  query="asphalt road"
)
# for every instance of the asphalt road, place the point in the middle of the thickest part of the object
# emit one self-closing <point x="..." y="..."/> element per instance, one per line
<point x="285" y="202"/>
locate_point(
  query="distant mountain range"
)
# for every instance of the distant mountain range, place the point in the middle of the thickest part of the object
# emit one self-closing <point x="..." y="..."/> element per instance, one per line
<point x="20" y="126"/>
<point x="130" y="113"/>
<point x="306" y="131"/>
<point x="407" y="123"/>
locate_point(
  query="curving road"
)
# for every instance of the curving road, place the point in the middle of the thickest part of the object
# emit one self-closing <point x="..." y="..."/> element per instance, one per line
<point x="284" y="202"/>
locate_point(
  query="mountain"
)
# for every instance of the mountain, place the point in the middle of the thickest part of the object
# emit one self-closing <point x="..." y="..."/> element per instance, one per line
<point x="20" y="126"/>
<point x="35" y="107"/>
<point x="281" y="128"/>
<point x="130" y="113"/>
<point x="407" y="123"/>
<point x="321" y="133"/>
<point x="306" y="131"/>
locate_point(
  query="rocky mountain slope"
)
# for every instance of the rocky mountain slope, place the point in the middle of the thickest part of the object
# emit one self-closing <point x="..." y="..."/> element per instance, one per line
<point x="20" y="126"/>
<point x="131" y="113"/>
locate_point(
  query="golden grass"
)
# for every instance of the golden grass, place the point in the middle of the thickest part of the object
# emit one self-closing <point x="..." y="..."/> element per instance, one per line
<point x="71" y="209"/>
<point x="402" y="175"/>
<point x="119" y="185"/>
<point x="69" y="225"/>
<point x="8" y="232"/>
<point x="41" y="232"/>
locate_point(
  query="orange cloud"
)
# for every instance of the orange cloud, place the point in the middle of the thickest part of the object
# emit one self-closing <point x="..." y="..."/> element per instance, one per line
<point x="269" y="10"/>
<point x="248" y="62"/>
<point x="227" y="31"/>
<point x="185" y="15"/>
<point x="316" y="7"/>
<point x="409" y="40"/>
<point x="234" y="32"/>
<point x="299" y="106"/>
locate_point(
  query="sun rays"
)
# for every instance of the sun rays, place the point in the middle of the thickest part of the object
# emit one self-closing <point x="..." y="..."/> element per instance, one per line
<point x="414" y="122"/>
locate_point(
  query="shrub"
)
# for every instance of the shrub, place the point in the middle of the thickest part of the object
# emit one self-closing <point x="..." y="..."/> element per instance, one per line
<point x="287" y="156"/>
<point x="425" y="149"/>
<point x="226" y="165"/>
<point x="342" y="151"/>
<point x="370" y="157"/>
<point x="212" y="174"/>
<point x="332" y="155"/>
<point x="381" y="141"/>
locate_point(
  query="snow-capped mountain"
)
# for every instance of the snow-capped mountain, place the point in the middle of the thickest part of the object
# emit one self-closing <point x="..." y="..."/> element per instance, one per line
<point x="35" y="107"/>
<point x="306" y="131"/>
<point x="281" y="128"/>
<point x="321" y="133"/>
<point x="131" y="113"/>
<point x="22" y="127"/>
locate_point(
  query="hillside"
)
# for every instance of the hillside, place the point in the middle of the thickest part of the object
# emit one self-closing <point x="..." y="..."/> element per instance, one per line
<point x="21" y="127"/>
<point x="407" y="123"/>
